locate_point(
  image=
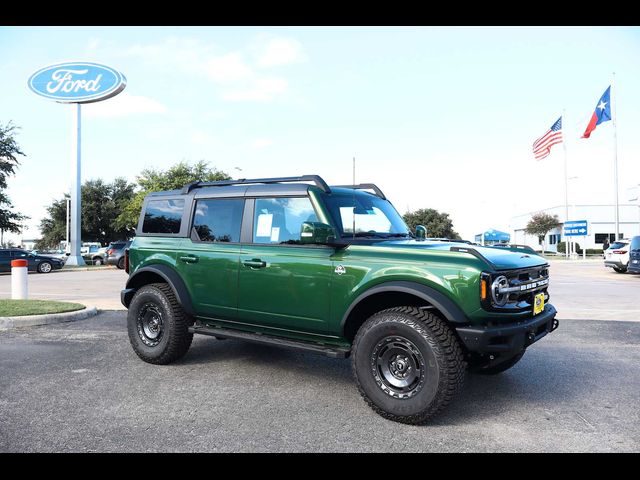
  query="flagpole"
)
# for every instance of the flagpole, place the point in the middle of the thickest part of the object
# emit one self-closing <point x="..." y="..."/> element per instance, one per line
<point x="615" y="153"/>
<point x="566" y="183"/>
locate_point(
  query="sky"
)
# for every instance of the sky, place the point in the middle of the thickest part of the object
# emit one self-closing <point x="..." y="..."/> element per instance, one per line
<point x="437" y="117"/>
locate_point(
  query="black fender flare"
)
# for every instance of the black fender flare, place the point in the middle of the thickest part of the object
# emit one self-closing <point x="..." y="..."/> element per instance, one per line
<point x="447" y="307"/>
<point x="169" y="275"/>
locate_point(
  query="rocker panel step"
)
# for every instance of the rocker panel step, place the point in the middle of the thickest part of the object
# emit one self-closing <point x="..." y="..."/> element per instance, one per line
<point x="329" y="351"/>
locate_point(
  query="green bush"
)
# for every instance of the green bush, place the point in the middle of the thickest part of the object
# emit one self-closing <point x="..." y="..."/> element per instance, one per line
<point x="562" y="248"/>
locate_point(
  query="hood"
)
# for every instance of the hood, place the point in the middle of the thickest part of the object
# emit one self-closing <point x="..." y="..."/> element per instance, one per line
<point x="500" y="259"/>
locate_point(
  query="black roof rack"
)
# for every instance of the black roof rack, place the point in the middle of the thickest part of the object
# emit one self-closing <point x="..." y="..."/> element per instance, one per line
<point x="364" y="186"/>
<point x="317" y="179"/>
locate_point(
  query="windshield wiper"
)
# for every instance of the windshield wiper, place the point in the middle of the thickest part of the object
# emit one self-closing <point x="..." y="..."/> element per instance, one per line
<point x="366" y="234"/>
<point x="399" y="235"/>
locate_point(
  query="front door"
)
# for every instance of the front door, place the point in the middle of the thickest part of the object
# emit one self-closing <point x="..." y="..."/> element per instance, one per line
<point x="283" y="284"/>
<point x="208" y="261"/>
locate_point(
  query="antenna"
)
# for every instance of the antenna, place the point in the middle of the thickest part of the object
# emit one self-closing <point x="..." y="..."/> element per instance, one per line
<point x="353" y="232"/>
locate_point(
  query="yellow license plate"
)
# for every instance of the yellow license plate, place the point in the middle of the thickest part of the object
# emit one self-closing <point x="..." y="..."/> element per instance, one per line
<point x="538" y="303"/>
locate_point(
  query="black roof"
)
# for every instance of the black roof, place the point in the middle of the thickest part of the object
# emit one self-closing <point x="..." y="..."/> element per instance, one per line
<point x="262" y="187"/>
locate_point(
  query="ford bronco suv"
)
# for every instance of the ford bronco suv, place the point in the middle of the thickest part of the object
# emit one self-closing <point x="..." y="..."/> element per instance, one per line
<point x="333" y="270"/>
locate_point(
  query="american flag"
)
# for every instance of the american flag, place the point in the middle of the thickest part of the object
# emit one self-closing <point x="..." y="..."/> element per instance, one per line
<point x="542" y="146"/>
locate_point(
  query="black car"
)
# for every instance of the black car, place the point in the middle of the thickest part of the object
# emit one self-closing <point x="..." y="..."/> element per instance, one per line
<point x="115" y="253"/>
<point x="634" y="255"/>
<point x="37" y="263"/>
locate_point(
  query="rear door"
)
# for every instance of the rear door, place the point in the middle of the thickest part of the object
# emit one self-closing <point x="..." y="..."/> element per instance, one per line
<point x="5" y="260"/>
<point x="208" y="262"/>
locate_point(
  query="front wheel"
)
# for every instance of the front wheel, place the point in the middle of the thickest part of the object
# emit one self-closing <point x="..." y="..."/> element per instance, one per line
<point x="407" y="363"/>
<point x="97" y="261"/>
<point x="44" y="267"/>
<point x="158" y="327"/>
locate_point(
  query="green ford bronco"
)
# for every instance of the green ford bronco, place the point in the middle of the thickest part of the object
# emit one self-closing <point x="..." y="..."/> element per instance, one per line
<point x="334" y="270"/>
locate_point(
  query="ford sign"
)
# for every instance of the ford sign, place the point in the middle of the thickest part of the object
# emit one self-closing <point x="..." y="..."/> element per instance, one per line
<point x="77" y="82"/>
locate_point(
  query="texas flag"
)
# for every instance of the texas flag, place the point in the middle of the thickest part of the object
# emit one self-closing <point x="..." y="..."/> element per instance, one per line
<point x="602" y="113"/>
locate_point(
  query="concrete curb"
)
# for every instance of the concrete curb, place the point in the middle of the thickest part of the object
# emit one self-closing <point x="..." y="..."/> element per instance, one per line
<point x="32" y="320"/>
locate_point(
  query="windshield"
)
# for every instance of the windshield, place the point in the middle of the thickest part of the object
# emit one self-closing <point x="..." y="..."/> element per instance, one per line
<point x="371" y="215"/>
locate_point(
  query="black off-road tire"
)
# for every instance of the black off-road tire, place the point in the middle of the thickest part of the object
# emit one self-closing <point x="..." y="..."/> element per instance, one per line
<point x="499" y="368"/>
<point x="120" y="264"/>
<point x="156" y="305"/>
<point x="430" y="346"/>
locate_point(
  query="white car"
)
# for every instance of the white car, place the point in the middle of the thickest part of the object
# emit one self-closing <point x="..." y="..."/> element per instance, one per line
<point x="617" y="256"/>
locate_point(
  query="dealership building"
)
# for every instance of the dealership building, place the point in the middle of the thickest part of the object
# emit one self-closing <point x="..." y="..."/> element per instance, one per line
<point x="600" y="224"/>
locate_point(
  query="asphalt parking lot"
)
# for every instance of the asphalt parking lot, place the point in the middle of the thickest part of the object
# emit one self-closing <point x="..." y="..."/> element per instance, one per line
<point x="80" y="387"/>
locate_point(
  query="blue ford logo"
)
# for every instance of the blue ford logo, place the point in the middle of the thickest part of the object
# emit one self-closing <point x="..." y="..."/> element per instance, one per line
<point x="77" y="82"/>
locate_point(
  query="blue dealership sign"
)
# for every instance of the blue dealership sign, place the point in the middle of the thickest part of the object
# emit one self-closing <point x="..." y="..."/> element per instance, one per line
<point x="77" y="82"/>
<point x="575" y="228"/>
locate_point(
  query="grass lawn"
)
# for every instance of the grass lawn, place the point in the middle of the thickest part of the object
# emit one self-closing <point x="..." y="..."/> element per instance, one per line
<point x="16" y="308"/>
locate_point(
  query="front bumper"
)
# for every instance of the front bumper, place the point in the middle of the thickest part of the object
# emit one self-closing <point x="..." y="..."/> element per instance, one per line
<point x="511" y="337"/>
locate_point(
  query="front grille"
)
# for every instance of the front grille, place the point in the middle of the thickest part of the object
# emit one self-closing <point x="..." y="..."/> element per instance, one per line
<point x="523" y="285"/>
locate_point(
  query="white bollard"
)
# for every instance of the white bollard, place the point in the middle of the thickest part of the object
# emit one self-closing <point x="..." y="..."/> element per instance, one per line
<point x="19" y="285"/>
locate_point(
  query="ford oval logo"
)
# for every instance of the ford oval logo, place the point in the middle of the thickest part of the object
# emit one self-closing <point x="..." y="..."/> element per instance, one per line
<point x="77" y="82"/>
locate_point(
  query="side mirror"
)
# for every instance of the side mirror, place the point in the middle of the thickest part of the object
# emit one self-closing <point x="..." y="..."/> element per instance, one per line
<point x="316" y="232"/>
<point x="421" y="232"/>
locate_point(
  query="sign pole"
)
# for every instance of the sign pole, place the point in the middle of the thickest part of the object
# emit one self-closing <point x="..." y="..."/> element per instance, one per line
<point x="566" y="182"/>
<point x="75" y="258"/>
<point x="615" y="155"/>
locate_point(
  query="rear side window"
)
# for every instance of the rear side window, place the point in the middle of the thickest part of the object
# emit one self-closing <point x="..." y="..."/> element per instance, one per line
<point x="163" y="216"/>
<point x="218" y="220"/>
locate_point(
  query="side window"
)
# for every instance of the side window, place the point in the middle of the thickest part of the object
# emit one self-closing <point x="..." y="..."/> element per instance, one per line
<point x="163" y="216"/>
<point x="218" y="220"/>
<point x="278" y="220"/>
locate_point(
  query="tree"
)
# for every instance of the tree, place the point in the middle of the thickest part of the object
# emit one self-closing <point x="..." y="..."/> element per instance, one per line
<point x="540" y="224"/>
<point x="438" y="224"/>
<point x="53" y="228"/>
<point x="9" y="150"/>
<point x="101" y="204"/>
<point x="152" y="180"/>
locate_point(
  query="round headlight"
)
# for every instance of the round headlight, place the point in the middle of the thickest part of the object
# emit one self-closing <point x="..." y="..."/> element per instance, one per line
<point x="498" y="298"/>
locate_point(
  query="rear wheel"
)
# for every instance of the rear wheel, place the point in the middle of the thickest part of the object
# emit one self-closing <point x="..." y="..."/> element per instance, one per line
<point x="120" y="264"/>
<point x="407" y="363"/>
<point x="158" y="327"/>
<point x="620" y="269"/>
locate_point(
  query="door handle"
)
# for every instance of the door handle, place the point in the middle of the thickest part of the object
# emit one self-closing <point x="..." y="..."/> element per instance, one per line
<point x="189" y="259"/>
<point x="254" y="263"/>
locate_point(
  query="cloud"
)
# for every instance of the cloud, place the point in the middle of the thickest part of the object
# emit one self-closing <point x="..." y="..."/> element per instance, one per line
<point x="280" y="51"/>
<point x="236" y="74"/>
<point x="259" y="143"/>
<point x="228" y="68"/>
<point x="200" y="137"/>
<point x="124" y="105"/>
<point x="261" y="89"/>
